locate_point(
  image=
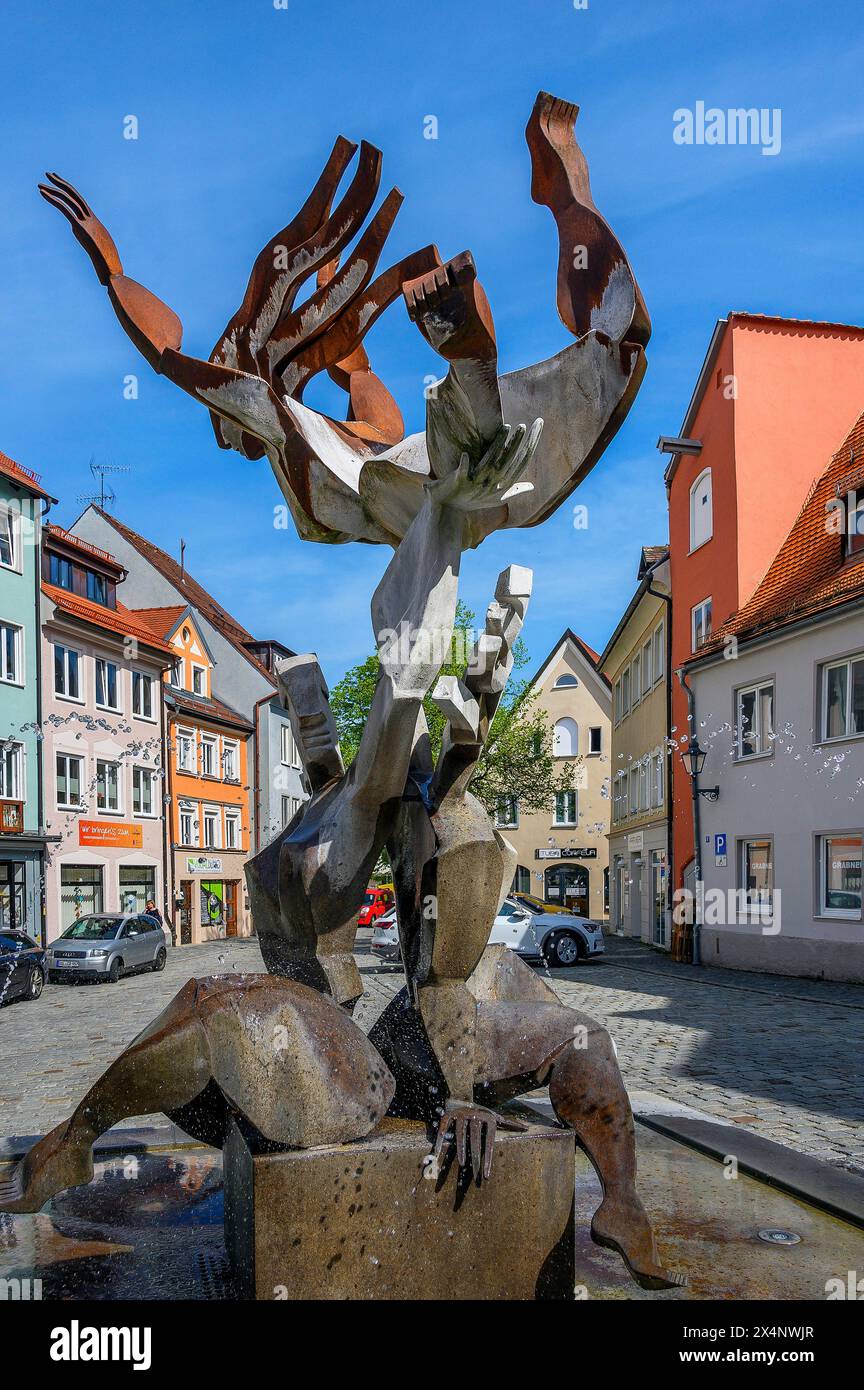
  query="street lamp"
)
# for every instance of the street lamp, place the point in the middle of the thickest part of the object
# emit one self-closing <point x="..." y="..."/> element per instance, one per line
<point x="694" y="761"/>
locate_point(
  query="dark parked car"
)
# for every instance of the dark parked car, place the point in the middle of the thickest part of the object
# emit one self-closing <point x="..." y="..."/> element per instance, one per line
<point x="22" y="967"/>
<point x="105" y="946"/>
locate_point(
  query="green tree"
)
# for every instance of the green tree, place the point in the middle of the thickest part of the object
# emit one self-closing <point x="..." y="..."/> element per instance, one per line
<point x="517" y="760"/>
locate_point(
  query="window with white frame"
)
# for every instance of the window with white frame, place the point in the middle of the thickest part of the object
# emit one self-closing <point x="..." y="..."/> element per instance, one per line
<point x="11" y="653"/>
<point x="232" y="829"/>
<point x="854" y="524"/>
<point x="659" y="776"/>
<point x="199" y="680"/>
<point x="70" y="778"/>
<point x="643" y="784"/>
<point x="754" y="720"/>
<point x="701" y="510"/>
<point x="647" y="668"/>
<point x="176" y="677"/>
<point x="67" y="672"/>
<point x="142" y="695"/>
<point x="618" y="702"/>
<point x="143" y="791"/>
<point x="756" y="874"/>
<point x="107" y="785"/>
<point x="188" y="823"/>
<point x="843" y="697"/>
<point x="287" y="813"/>
<point x="595" y="740"/>
<point x="290" y="755"/>
<point x="507" y="813"/>
<point x="566" y="682"/>
<point x="107" y="693"/>
<point x="209" y="745"/>
<point x="210" y="818"/>
<point x="565" y="742"/>
<point x="634" y="791"/>
<point x="12" y="771"/>
<point x="840" y="875"/>
<point x="10" y="533"/>
<point x="620" y="800"/>
<point x="636" y="679"/>
<point x="625" y="693"/>
<point x="230" y="760"/>
<point x="565" y="808"/>
<point x="186" y="750"/>
<point x="659" y="652"/>
<point x="700" y="624"/>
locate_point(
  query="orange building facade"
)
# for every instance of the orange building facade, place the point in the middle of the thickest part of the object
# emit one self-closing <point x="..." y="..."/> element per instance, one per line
<point x="774" y="399"/>
<point x="208" y="824"/>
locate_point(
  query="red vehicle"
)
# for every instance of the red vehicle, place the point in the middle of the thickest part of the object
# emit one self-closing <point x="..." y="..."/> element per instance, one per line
<point x="376" y="902"/>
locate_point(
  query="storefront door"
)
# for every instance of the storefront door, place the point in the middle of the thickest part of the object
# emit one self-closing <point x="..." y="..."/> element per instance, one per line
<point x="658" y="896"/>
<point x="213" y="909"/>
<point x="185" y="913"/>
<point x="231" y="909"/>
<point x="80" y="892"/>
<point x="12" y="912"/>
<point x="568" y="886"/>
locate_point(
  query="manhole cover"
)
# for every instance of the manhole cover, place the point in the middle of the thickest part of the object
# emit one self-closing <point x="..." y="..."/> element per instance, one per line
<point x="777" y="1237"/>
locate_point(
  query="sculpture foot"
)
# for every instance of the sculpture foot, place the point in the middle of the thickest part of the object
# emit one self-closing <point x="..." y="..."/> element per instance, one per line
<point x="625" y="1228"/>
<point x="51" y="1166"/>
<point x="555" y="152"/>
<point x="450" y="308"/>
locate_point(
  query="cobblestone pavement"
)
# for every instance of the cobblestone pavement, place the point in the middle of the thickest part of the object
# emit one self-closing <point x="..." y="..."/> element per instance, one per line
<point x="782" y="1056"/>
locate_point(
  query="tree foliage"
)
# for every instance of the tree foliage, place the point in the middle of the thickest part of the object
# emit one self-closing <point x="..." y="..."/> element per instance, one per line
<point x="517" y="760"/>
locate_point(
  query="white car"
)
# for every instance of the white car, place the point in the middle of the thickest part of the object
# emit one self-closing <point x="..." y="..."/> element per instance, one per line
<point x="558" y="938"/>
<point x="385" y="938"/>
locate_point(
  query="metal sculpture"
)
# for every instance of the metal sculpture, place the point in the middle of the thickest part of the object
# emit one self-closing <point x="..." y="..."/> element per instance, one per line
<point x="472" y="1027"/>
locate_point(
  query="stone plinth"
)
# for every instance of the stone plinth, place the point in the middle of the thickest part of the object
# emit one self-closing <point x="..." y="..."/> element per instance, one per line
<point x="359" y="1220"/>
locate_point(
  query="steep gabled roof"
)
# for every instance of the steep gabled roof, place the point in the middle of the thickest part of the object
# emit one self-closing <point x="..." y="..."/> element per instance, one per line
<point x="810" y="573"/>
<point x="194" y="593"/>
<point x="589" y="654"/>
<point x="122" y="622"/>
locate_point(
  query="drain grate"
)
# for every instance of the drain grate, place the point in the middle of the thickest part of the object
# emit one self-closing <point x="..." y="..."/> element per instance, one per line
<point x="773" y="1236"/>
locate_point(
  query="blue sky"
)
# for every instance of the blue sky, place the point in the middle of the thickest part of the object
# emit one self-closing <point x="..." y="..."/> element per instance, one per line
<point x="238" y="104"/>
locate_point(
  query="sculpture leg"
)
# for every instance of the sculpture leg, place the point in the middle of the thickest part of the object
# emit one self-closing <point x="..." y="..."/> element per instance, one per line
<point x="587" y="1093"/>
<point x="166" y="1066"/>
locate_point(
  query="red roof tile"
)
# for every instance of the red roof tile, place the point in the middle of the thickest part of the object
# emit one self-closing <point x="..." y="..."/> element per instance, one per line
<point x="810" y="573"/>
<point x="121" y="621"/>
<point x="160" y="620"/>
<point x="87" y="549"/>
<point x="207" y="709"/>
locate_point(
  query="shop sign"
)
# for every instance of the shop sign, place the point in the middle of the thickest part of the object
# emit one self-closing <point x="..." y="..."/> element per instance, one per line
<point x="111" y="834"/>
<point x="203" y="864"/>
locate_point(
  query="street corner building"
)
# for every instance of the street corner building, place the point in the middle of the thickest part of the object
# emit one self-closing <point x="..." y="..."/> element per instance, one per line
<point x="563" y="853"/>
<point x="636" y="662"/>
<point x="767" y="695"/>
<point x="23" y="836"/>
<point x="102" y="738"/>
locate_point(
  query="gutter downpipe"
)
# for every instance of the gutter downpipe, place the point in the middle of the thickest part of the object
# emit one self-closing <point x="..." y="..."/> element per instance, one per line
<point x="265" y="700"/>
<point x="667" y="599"/>
<point x="697" y="828"/>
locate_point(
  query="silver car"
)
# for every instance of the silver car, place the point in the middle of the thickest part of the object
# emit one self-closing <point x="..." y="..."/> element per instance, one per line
<point x="105" y="946"/>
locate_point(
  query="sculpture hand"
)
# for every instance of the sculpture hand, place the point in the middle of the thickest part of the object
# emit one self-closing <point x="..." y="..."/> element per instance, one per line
<point x="468" y="1126"/>
<point x="494" y="477"/>
<point x="96" y="239"/>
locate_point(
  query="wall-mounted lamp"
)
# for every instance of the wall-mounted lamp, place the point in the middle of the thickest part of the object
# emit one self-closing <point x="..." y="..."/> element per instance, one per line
<point x="694" y="761"/>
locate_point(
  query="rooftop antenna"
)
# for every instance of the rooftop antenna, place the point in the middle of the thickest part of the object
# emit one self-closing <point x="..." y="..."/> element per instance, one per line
<point x="182" y="555"/>
<point x="106" y="493"/>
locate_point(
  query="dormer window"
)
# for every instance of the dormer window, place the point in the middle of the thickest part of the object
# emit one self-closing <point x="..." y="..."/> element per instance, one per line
<point x="60" y="572"/>
<point x="701" y="510"/>
<point x="854" y="524"/>
<point x="97" y="588"/>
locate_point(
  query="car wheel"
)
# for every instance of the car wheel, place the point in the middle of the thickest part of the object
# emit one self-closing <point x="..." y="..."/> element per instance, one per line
<point x="35" y="984"/>
<point x="113" y="974"/>
<point x="161" y="957"/>
<point x="562" y="949"/>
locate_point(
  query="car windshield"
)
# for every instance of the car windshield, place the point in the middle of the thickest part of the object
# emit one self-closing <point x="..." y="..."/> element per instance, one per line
<point x="92" y="929"/>
<point x="8" y="942"/>
<point x="368" y="898"/>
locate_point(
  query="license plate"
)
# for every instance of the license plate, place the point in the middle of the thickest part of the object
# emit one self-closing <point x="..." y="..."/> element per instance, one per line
<point x="66" y="964"/>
